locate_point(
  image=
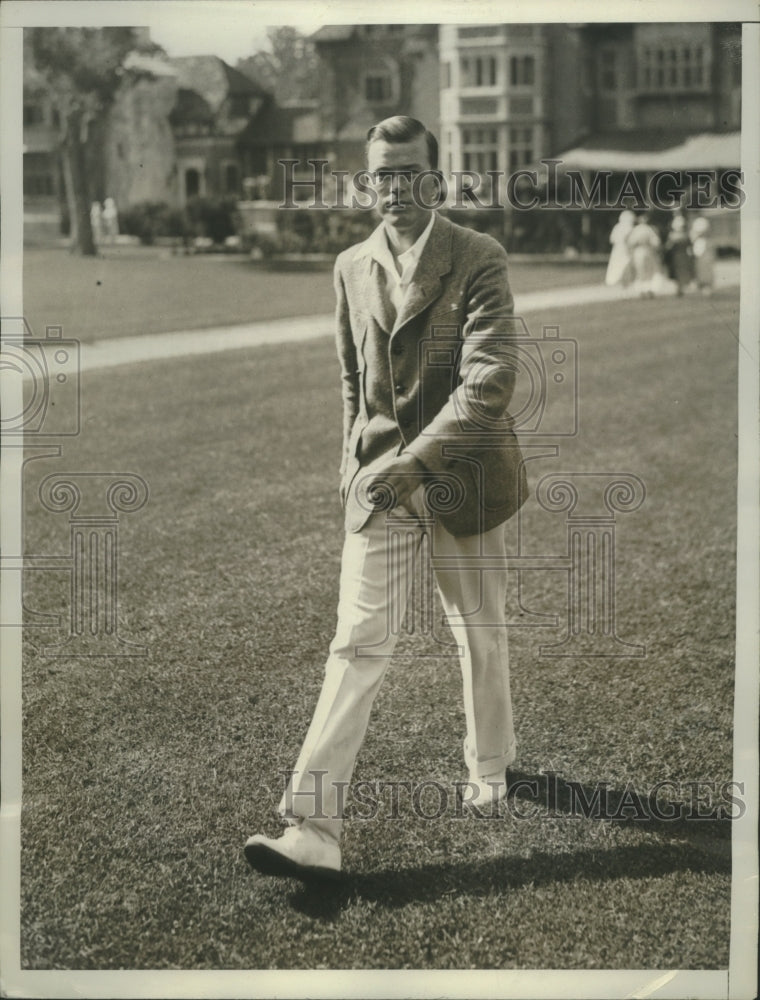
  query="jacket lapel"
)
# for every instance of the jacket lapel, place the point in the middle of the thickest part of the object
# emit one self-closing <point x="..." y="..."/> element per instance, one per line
<point x="376" y="295"/>
<point x="424" y="288"/>
<point x="426" y="283"/>
<point x="369" y="280"/>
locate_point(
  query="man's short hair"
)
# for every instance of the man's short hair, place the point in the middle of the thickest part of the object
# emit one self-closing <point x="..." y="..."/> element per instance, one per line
<point x="402" y="128"/>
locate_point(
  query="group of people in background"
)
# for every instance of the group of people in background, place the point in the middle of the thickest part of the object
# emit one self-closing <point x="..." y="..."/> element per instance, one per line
<point x="104" y="221"/>
<point x="639" y="259"/>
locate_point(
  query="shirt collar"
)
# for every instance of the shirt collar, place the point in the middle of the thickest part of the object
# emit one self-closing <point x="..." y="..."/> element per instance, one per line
<point x="377" y="247"/>
<point x="411" y="256"/>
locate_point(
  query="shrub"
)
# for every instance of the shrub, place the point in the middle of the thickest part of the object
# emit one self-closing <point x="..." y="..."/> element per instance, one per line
<point x="150" y="219"/>
<point x="214" y="218"/>
<point x="322" y="231"/>
<point x="209" y="218"/>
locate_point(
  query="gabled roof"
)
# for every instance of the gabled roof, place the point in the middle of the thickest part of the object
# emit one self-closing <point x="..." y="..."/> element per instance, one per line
<point x="190" y="107"/>
<point x="333" y="33"/>
<point x="275" y="125"/>
<point x="239" y="83"/>
<point x="213" y="79"/>
<point x="346" y="32"/>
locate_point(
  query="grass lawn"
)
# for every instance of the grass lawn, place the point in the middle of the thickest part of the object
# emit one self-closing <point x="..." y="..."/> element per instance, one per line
<point x="143" y="777"/>
<point x="144" y="290"/>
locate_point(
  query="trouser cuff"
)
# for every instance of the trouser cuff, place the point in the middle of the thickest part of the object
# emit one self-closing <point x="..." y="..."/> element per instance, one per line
<point x="490" y="765"/>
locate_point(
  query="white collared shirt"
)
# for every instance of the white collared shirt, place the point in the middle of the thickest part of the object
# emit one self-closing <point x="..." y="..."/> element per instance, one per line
<point x="398" y="284"/>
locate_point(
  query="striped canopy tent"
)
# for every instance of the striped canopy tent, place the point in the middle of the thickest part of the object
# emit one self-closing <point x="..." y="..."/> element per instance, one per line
<point x="650" y="151"/>
<point x="645" y="153"/>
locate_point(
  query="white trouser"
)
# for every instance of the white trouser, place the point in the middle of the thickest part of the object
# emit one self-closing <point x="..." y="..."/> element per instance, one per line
<point x="377" y="574"/>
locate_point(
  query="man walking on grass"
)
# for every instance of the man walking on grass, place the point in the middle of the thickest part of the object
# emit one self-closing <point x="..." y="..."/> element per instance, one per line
<point x="424" y="326"/>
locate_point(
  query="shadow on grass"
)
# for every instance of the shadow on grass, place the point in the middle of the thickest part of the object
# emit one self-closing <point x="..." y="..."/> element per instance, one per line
<point x="695" y="819"/>
<point x="395" y="888"/>
<point x="703" y="845"/>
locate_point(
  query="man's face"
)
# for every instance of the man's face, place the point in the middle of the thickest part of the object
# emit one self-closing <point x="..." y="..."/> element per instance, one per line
<point x="400" y="201"/>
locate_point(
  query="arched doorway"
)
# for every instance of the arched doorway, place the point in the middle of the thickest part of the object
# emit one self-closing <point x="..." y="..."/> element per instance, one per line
<point x="231" y="178"/>
<point x="192" y="182"/>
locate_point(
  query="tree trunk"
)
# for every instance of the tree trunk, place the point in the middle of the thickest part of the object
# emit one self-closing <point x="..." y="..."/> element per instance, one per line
<point x="77" y="189"/>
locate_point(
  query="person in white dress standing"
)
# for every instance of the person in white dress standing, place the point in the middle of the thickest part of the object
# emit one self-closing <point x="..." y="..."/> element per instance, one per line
<point x="704" y="255"/>
<point x="110" y="220"/>
<point x="96" y="221"/>
<point x="620" y="266"/>
<point x="644" y="244"/>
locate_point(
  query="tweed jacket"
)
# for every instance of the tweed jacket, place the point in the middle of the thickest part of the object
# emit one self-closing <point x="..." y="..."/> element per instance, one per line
<point x="435" y="382"/>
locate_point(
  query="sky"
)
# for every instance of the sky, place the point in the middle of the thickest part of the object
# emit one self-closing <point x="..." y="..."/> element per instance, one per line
<point x="183" y="40"/>
<point x="233" y="29"/>
<point x="231" y="34"/>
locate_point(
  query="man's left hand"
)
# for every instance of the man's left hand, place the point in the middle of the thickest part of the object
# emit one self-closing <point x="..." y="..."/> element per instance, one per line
<point x="400" y="476"/>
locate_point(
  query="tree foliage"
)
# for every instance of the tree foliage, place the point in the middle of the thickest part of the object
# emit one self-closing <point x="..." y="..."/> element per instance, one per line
<point x="88" y="61"/>
<point x="289" y="69"/>
<point x="82" y="69"/>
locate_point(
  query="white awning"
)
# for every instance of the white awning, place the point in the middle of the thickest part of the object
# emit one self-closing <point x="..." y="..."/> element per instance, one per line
<point x="707" y="151"/>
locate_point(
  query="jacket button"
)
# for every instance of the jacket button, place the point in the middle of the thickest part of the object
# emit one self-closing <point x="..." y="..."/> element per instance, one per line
<point x="398" y="387"/>
<point x="397" y="349"/>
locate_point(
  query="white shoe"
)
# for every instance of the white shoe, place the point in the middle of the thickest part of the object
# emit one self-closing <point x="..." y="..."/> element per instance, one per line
<point x="301" y="852"/>
<point x="485" y="790"/>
